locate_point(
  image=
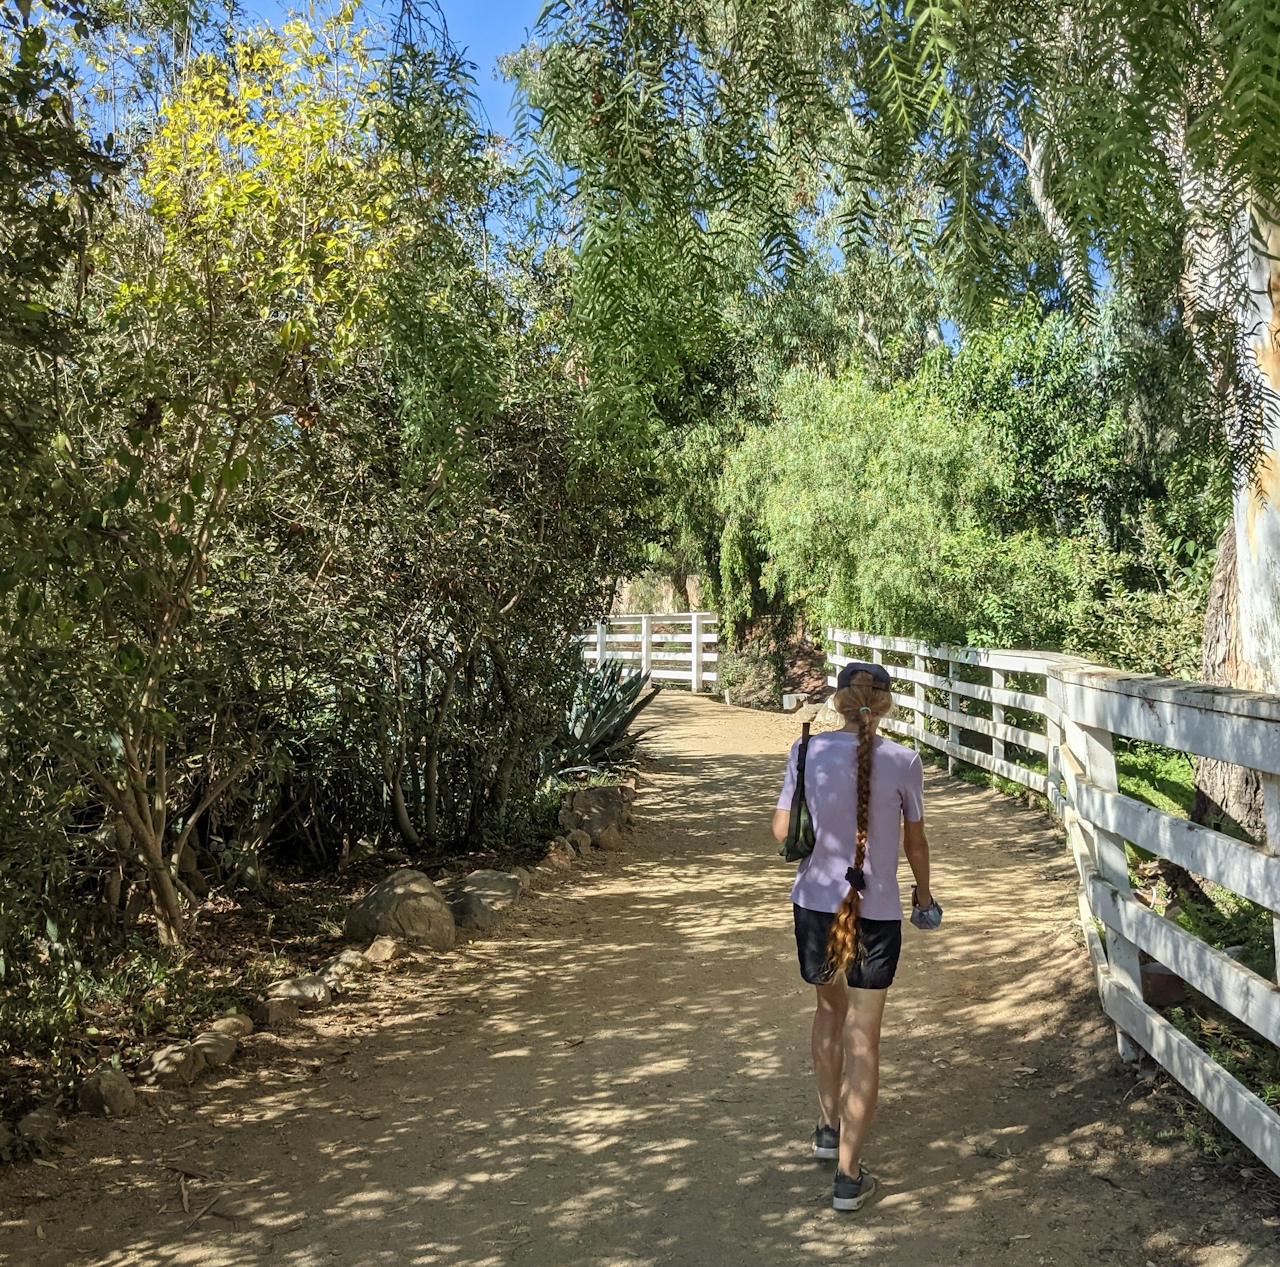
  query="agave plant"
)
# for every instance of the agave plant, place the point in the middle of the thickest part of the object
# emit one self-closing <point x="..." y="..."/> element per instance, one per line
<point x="599" y="721"/>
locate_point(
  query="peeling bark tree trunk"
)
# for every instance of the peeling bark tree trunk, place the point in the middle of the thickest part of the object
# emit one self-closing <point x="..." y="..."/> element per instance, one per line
<point x="1240" y="346"/>
<point x="1257" y="500"/>
<point x="1225" y="793"/>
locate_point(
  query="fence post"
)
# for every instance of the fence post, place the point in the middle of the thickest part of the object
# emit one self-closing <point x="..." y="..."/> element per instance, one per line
<point x="602" y="643"/>
<point x="646" y="643"/>
<point x="695" y="654"/>
<point x="1053" y="757"/>
<point x="919" y="694"/>
<point x="1271" y="817"/>
<point x="1109" y="854"/>
<point x="953" y="703"/>
<point x="997" y="714"/>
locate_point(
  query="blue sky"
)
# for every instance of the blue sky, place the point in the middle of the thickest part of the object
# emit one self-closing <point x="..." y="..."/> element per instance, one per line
<point x="484" y="28"/>
<point x="487" y="29"/>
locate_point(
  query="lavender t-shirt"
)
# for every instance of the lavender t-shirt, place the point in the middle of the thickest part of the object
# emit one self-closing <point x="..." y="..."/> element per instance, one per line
<point x="830" y="784"/>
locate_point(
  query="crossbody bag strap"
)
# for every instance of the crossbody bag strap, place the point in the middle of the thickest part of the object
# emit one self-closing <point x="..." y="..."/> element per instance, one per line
<point x="802" y="757"/>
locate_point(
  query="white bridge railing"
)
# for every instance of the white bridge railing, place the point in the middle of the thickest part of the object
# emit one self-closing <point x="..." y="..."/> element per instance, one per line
<point x="672" y="648"/>
<point x="1070" y="711"/>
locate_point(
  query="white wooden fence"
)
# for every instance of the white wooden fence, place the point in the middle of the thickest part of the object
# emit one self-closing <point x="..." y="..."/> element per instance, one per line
<point x="1072" y="710"/>
<point x="671" y="648"/>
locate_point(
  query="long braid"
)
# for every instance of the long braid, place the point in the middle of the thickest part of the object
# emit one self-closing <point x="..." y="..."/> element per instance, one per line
<point x="844" y="946"/>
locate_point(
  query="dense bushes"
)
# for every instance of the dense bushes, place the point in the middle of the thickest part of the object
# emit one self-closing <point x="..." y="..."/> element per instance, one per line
<point x="994" y="498"/>
<point x="304" y="513"/>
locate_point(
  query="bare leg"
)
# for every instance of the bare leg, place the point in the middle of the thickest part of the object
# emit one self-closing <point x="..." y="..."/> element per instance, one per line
<point x="827" y="1044"/>
<point x="860" y="1087"/>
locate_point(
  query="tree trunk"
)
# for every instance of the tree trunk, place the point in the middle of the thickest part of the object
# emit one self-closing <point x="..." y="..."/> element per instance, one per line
<point x="1225" y="794"/>
<point x="680" y="589"/>
<point x="170" y="920"/>
<point x="1257" y="498"/>
<point x="1075" y="264"/>
<point x="1241" y="645"/>
<point x="403" y="821"/>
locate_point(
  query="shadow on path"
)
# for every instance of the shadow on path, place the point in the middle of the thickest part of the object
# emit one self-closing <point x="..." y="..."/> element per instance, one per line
<point x="620" y="1079"/>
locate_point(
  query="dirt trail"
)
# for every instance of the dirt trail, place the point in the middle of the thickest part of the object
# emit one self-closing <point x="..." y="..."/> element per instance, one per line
<point x="620" y="1078"/>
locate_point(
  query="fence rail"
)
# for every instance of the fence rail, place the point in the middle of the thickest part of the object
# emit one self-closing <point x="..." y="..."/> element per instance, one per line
<point x="1068" y="713"/>
<point x="670" y="648"/>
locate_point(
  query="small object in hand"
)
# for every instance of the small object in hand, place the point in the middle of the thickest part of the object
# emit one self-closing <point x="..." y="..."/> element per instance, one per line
<point x="926" y="917"/>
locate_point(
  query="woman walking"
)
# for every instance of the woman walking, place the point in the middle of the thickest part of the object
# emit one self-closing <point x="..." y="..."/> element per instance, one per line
<point x="848" y="912"/>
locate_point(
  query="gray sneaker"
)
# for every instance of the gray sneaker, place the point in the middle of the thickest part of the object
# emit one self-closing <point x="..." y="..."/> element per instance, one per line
<point x="826" y="1142"/>
<point x="852" y="1194"/>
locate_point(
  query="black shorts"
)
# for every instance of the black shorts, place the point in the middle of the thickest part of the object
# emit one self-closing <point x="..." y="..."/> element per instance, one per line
<point x="881" y="944"/>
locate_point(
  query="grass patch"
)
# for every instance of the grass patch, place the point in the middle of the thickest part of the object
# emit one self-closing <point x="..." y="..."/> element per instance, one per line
<point x="1240" y="1051"/>
<point x="1156" y="776"/>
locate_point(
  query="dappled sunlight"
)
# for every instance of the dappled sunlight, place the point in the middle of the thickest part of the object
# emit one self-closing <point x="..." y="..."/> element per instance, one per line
<point x="621" y="1075"/>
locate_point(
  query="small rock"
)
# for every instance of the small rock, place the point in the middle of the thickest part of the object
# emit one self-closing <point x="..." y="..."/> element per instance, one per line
<point x="610" y="838"/>
<point x="524" y="876"/>
<point x="473" y="911"/>
<point x="343" y="967"/>
<point x="39" y="1124"/>
<point x="107" y="1093"/>
<point x="309" y="991"/>
<point x="497" y="889"/>
<point x="216" y="1047"/>
<point x="383" y="950"/>
<point x="275" y="1012"/>
<point x="237" y="1025"/>
<point x="177" y="1065"/>
<point x="405" y="904"/>
<point x="580" y="840"/>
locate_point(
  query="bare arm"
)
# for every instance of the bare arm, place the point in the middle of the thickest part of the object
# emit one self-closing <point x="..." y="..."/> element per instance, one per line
<point x="916" y="847"/>
<point x="781" y="824"/>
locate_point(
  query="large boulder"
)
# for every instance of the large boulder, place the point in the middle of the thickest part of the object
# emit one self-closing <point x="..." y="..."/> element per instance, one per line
<point x="405" y="904"/>
<point x="594" y="809"/>
<point x="107" y="1093"/>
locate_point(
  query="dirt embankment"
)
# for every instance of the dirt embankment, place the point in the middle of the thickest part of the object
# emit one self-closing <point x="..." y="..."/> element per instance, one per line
<point x="619" y="1078"/>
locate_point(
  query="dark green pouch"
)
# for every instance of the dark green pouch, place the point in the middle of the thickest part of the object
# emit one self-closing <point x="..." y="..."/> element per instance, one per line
<point x="800" y="839"/>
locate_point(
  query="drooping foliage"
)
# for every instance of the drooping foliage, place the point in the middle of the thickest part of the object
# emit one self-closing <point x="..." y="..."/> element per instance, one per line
<point x="1018" y="160"/>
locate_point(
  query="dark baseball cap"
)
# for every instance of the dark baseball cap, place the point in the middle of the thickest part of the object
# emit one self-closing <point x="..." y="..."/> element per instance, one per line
<point x="879" y="675"/>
